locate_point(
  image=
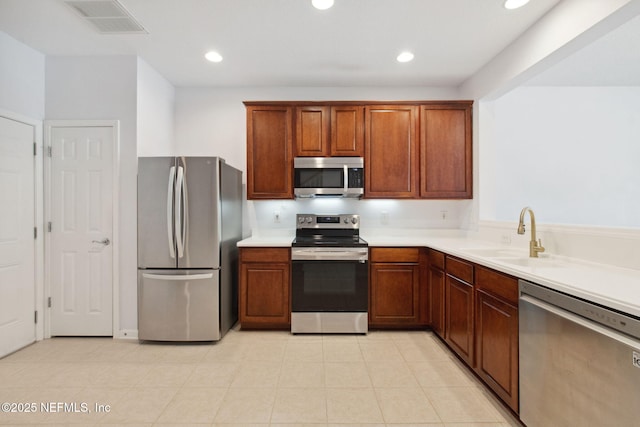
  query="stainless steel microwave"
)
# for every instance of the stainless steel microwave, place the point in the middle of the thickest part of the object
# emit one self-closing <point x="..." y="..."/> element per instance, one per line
<point x="328" y="176"/>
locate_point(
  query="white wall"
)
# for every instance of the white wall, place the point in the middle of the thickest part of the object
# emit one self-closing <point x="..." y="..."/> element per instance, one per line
<point x="570" y="152"/>
<point x="22" y="71"/>
<point x="105" y="88"/>
<point x="212" y="122"/>
<point x="155" y="113"/>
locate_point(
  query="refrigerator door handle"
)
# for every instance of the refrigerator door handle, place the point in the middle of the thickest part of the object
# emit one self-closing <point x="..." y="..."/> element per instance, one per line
<point x="177" y="277"/>
<point x="170" y="196"/>
<point x="179" y="198"/>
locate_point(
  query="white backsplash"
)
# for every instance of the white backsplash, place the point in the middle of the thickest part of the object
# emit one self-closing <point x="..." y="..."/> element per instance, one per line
<point x="279" y="216"/>
<point x="605" y="245"/>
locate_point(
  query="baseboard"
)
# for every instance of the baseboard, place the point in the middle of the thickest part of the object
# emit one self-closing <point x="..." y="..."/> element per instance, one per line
<point x="127" y="334"/>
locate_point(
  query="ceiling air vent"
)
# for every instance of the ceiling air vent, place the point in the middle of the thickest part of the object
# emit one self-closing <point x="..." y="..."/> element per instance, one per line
<point x="108" y="16"/>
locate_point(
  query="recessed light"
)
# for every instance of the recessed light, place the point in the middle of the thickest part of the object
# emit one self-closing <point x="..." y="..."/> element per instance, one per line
<point x="405" y="57"/>
<point x="514" y="4"/>
<point x="322" y="4"/>
<point x="213" y="56"/>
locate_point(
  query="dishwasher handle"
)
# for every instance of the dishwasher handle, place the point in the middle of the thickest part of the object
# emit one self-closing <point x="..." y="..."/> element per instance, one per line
<point x="596" y="327"/>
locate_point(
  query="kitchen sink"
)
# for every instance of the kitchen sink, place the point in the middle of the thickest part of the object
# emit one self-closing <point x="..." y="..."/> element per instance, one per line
<point x="495" y="252"/>
<point x="531" y="262"/>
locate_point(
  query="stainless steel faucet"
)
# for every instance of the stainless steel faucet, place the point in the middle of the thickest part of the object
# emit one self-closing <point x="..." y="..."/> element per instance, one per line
<point x="535" y="246"/>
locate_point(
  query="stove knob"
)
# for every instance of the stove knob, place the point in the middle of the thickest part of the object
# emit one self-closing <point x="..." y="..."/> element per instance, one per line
<point x="354" y="220"/>
<point x="346" y="220"/>
<point x="309" y="220"/>
<point x="301" y="220"/>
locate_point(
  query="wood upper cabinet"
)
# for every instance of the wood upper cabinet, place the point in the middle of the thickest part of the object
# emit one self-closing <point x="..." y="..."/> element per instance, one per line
<point x="347" y="130"/>
<point x="395" y="288"/>
<point x="445" y="151"/>
<point x="269" y="152"/>
<point x="459" y="301"/>
<point x="411" y="150"/>
<point x="323" y="131"/>
<point x="496" y="324"/>
<point x="391" y="151"/>
<point x="264" y="292"/>
<point x="312" y="131"/>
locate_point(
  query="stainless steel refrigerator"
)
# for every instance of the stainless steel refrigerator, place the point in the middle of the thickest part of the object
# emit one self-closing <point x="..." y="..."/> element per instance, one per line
<point x="189" y="221"/>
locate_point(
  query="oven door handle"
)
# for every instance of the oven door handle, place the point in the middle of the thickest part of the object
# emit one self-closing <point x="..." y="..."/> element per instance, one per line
<point x="328" y="255"/>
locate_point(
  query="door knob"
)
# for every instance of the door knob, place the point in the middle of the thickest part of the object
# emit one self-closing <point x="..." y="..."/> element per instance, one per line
<point x="104" y="241"/>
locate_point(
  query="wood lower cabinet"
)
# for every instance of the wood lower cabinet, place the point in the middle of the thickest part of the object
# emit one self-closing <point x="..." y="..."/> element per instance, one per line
<point x="396" y="289"/>
<point x="436" y="281"/>
<point x="445" y="151"/>
<point x="459" y="301"/>
<point x="269" y="152"/>
<point x="264" y="296"/>
<point x="391" y="151"/>
<point x="496" y="324"/>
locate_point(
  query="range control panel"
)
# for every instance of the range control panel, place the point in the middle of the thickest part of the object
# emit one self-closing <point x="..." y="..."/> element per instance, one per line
<point x="344" y="221"/>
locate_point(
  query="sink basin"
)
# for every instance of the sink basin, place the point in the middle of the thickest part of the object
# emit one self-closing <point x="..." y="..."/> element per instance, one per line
<point x="532" y="262"/>
<point x="495" y="252"/>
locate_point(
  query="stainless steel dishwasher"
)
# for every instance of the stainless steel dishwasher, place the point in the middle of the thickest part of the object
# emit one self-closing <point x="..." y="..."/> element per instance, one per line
<point x="579" y="361"/>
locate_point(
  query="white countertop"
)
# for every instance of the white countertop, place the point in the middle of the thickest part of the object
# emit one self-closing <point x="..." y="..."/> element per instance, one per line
<point x="614" y="287"/>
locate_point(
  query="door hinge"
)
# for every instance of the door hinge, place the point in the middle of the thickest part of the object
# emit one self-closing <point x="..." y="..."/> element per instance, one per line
<point x="35" y="316"/>
<point x="49" y="151"/>
<point x="35" y="232"/>
<point x="49" y="226"/>
<point x="49" y="302"/>
<point x="35" y="148"/>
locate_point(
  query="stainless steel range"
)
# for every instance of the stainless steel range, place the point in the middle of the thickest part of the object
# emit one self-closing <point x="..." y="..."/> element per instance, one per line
<point x="330" y="275"/>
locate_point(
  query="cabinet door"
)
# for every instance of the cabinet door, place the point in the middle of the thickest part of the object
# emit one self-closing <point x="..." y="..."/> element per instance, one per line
<point x="459" y="317"/>
<point x="347" y="131"/>
<point x="497" y="346"/>
<point x="269" y="147"/>
<point x="391" y="157"/>
<point x="445" y="151"/>
<point x="395" y="294"/>
<point x="264" y="295"/>
<point x="436" y="298"/>
<point x="264" y="288"/>
<point x="312" y="131"/>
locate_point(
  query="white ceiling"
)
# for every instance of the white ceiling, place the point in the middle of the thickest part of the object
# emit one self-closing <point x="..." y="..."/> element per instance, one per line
<point x="288" y="42"/>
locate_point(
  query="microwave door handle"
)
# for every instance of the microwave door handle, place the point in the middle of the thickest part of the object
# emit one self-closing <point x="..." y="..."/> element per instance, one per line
<point x="346" y="178"/>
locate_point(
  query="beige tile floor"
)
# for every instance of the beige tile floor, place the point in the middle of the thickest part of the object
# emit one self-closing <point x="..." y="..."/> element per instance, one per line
<point x="249" y="378"/>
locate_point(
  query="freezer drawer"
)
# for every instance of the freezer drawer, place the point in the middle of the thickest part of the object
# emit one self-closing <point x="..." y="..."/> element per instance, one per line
<point x="178" y="305"/>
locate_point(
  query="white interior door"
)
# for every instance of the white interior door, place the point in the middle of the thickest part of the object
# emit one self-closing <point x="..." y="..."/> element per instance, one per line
<point x="81" y="216"/>
<point x="17" y="242"/>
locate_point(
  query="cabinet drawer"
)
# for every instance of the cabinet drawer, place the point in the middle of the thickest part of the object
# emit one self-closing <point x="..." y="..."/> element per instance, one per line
<point x="497" y="284"/>
<point x="394" y="255"/>
<point x="264" y="255"/>
<point x="460" y="269"/>
<point x="436" y="259"/>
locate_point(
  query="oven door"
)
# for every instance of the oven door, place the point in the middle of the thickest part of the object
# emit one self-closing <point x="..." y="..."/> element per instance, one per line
<point x="329" y="280"/>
